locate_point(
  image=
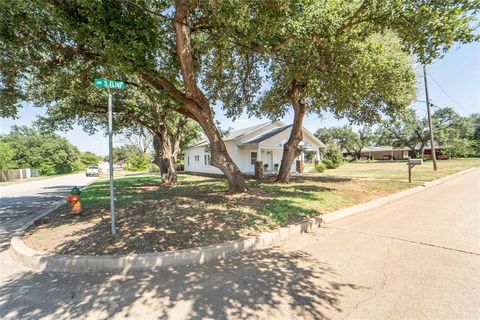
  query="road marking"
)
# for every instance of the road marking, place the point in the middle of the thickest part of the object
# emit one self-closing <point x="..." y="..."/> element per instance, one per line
<point x="405" y="240"/>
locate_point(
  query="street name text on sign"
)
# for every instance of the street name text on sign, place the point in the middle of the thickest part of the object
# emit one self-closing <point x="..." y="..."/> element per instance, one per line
<point x="111" y="84"/>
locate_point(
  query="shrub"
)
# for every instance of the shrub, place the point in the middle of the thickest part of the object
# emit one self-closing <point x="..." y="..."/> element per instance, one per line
<point x="320" y="167"/>
<point x="137" y="162"/>
<point x="333" y="157"/>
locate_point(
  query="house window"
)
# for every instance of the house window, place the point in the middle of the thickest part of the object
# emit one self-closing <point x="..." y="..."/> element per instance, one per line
<point x="253" y="157"/>
<point x="207" y="159"/>
<point x="188" y="161"/>
<point x="197" y="158"/>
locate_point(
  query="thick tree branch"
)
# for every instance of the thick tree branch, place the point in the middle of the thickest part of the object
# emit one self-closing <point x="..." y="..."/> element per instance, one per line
<point x="67" y="53"/>
<point x="353" y="18"/>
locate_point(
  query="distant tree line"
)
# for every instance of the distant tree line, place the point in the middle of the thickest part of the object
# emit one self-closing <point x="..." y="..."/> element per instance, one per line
<point x="459" y="136"/>
<point x="26" y="147"/>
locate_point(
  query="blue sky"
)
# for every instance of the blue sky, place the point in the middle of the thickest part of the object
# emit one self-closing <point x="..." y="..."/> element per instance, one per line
<point x="454" y="81"/>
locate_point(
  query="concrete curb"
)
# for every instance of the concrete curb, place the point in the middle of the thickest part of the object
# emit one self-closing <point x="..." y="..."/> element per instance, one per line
<point x="43" y="261"/>
<point x="136" y="262"/>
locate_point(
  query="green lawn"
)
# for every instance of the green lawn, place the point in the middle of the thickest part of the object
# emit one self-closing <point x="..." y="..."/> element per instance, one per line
<point x="399" y="171"/>
<point x="152" y="217"/>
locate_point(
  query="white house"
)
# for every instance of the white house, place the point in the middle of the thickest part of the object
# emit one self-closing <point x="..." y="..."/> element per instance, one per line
<point x="263" y="142"/>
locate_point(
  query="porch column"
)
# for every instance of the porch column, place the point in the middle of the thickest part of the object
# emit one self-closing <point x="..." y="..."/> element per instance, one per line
<point x="318" y="154"/>
<point x="259" y="164"/>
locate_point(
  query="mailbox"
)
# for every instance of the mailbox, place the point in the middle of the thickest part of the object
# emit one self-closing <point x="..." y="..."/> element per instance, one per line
<point x="412" y="163"/>
<point x="416" y="161"/>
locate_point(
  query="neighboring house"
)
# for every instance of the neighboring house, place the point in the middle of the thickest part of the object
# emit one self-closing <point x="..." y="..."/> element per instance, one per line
<point x="427" y="150"/>
<point x="384" y="153"/>
<point x="263" y="142"/>
<point x="391" y="153"/>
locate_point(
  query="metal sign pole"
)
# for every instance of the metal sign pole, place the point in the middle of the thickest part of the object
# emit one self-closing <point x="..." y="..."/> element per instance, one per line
<point x="110" y="158"/>
<point x="118" y="85"/>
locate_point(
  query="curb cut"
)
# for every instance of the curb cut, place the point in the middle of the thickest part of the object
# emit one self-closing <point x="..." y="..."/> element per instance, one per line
<point x="43" y="261"/>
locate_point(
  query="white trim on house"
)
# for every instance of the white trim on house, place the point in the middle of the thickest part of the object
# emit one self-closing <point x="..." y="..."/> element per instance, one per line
<point x="265" y="141"/>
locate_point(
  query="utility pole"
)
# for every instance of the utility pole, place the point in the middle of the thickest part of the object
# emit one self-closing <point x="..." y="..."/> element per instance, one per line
<point x="430" y="126"/>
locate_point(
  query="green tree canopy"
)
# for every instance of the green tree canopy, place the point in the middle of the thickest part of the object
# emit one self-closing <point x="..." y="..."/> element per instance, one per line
<point x="53" y="45"/>
<point x="352" y="58"/>
<point x="407" y="130"/>
<point x="89" y="159"/>
<point x="6" y="156"/>
<point x="49" y="153"/>
<point x="456" y="134"/>
<point x="347" y="139"/>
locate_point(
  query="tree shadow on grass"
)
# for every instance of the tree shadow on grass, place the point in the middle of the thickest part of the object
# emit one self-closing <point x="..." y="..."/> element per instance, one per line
<point x="187" y="216"/>
<point x="318" y="178"/>
<point x="164" y="226"/>
<point x="267" y="284"/>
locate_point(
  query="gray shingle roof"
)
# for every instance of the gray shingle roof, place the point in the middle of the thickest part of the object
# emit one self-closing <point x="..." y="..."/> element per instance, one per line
<point x="267" y="134"/>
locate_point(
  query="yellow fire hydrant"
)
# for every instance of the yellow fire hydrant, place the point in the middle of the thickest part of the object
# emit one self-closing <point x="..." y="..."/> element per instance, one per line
<point x="74" y="200"/>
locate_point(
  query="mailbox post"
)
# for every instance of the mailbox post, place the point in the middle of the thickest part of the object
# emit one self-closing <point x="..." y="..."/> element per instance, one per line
<point x="412" y="163"/>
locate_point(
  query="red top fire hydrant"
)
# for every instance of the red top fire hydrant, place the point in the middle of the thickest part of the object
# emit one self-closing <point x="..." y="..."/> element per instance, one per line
<point x="74" y="200"/>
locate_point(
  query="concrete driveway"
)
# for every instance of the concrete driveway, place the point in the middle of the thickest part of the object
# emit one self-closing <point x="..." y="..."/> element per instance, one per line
<point x="416" y="258"/>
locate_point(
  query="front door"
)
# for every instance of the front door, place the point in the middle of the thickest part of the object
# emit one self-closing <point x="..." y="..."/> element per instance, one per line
<point x="270" y="160"/>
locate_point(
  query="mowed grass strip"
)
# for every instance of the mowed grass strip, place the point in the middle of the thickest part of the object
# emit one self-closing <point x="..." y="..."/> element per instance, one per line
<point x="154" y="218"/>
<point x="398" y="170"/>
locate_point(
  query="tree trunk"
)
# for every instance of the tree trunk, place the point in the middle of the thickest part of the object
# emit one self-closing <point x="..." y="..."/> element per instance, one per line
<point x="221" y="159"/>
<point x="199" y="106"/>
<point x="157" y="146"/>
<point x="421" y="150"/>
<point x="170" y="176"/>
<point x="290" y="149"/>
<point x="358" y="154"/>
<point x="164" y="156"/>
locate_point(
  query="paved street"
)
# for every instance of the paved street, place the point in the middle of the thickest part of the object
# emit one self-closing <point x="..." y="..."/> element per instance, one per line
<point x="416" y="258"/>
<point x="19" y="202"/>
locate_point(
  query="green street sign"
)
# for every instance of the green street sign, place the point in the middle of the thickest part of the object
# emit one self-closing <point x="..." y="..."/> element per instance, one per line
<point x="111" y="84"/>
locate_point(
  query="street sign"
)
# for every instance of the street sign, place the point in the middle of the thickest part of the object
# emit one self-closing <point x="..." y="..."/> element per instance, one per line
<point x="111" y="84"/>
<point x="119" y="85"/>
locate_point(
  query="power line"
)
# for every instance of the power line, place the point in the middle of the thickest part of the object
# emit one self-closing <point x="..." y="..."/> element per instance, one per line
<point x="446" y="93"/>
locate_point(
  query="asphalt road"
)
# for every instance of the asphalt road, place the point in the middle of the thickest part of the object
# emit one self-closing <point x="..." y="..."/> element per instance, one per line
<point x="21" y="201"/>
<point x="416" y="258"/>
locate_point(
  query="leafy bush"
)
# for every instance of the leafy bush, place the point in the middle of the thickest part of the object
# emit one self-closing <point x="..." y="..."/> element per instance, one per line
<point x="6" y="156"/>
<point x="332" y="157"/>
<point x="320" y="167"/>
<point x="137" y="162"/>
<point x="461" y="148"/>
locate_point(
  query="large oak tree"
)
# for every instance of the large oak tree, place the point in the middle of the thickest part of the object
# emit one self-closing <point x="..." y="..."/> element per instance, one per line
<point x="162" y="43"/>
<point x="351" y="58"/>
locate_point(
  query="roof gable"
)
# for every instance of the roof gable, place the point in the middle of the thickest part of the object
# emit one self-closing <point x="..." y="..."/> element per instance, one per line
<point x="267" y="134"/>
<point x="261" y="132"/>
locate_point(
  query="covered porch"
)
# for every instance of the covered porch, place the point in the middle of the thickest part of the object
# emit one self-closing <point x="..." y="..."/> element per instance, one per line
<point x="271" y="157"/>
